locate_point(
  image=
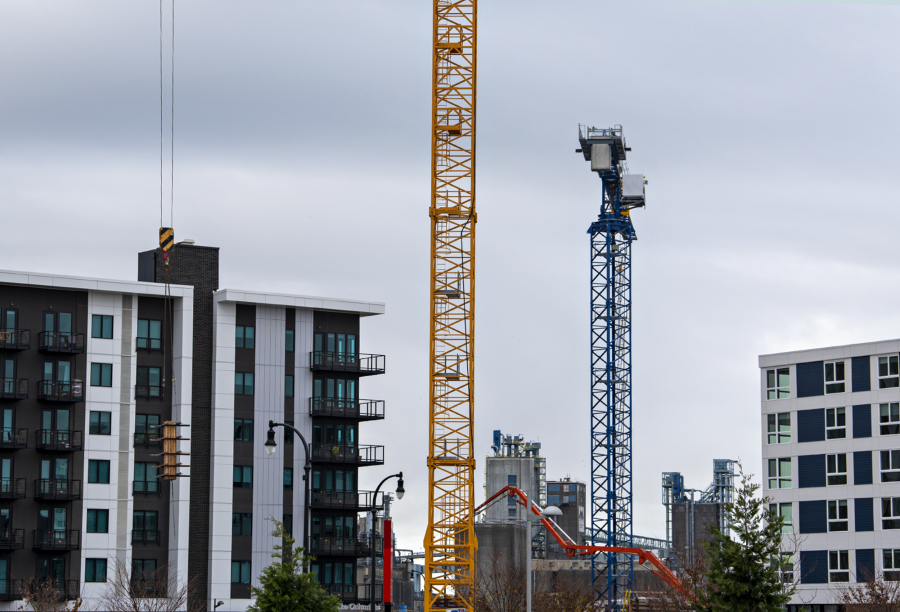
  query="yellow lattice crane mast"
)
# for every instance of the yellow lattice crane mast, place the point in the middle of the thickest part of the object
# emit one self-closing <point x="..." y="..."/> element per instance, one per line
<point x="450" y="543"/>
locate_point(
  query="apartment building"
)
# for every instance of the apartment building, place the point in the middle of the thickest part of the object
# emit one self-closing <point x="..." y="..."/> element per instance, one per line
<point x="830" y="433"/>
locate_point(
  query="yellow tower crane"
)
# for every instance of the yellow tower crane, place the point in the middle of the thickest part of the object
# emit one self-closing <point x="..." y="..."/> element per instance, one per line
<point x="450" y="543"/>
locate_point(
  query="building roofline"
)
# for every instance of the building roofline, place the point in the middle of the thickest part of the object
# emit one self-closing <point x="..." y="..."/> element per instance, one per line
<point x="364" y="309"/>
<point x="845" y="351"/>
<point x="86" y="283"/>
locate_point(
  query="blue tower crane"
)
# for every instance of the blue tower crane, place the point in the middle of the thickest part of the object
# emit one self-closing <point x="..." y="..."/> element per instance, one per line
<point x="611" y="479"/>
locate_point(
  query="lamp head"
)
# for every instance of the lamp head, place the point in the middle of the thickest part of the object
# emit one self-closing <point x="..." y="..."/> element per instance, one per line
<point x="271" y="445"/>
<point x="400" y="489"/>
<point x="551" y="511"/>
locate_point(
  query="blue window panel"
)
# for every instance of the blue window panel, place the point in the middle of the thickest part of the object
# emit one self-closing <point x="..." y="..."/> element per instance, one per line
<point x="813" y="516"/>
<point x="810" y="379"/>
<point x="813" y="567"/>
<point x="862" y="421"/>
<point x="862" y="467"/>
<point x="811" y="471"/>
<point x="865" y="565"/>
<point x="865" y="516"/>
<point x="811" y="425"/>
<point x="861" y="378"/>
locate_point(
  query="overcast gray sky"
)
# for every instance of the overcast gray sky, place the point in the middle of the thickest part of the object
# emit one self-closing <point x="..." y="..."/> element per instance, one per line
<point x="768" y="133"/>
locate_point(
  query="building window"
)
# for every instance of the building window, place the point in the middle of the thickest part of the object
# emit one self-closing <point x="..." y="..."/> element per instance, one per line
<point x="244" y="337"/>
<point x="890" y="512"/>
<point x="146" y="428"/>
<point x="95" y="570"/>
<point x="243" y="430"/>
<point x="243" y="383"/>
<point x="240" y="572"/>
<point x="243" y="477"/>
<point x="143" y="570"/>
<point x="145" y="478"/>
<point x="780" y="473"/>
<point x="288" y="478"/>
<point x="889" y="418"/>
<point x="101" y="326"/>
<point x="838" y="566"/>
<point x="288" y="434"/>
<point x="242" y="523"/>
<point x="785" y="511"/>
<point x="778" y="383"/>
<point x="288" y="522"/>
<point x="289" y="386"/>
<point x="779" y="428"/>
<point x="289" y="340"/>
<point x="101" y="375"/>
<point x="98" y="521"/>
<point x="148" y="382"/>
<point x="98" y="471"/>
<point x="149" y="335"/>
<point x="837" y="515"/>
<point x="888" y="372"/>
<point x="834" y="377"/>
<point x="787" y="568"/>
<point x="890" y="466"/>
<point x="144" y="524"/>
<point x="836" y="469"/>
<point x="100" y="423"/>
<point x="835" y="423"/>
<point x="891" y="565"/>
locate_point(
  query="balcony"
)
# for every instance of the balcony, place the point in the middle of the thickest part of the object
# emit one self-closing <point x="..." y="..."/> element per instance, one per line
<point x="14" y="388"/>
<point x="13" y="438"/>
<point x="56" y="342"/>
<point x="148" y="391"/>
<point x="353" y="593"/>
<point x="145" y="486"/>
<point x="147" y="439"/>
<point x="355" y="454"/>
<point x="10" y="590"/>
<point x="54" y="391"/>
<point x="362" y="410"/>
<point x="12" y="488"/>
<point x="345" y="547"/>
<point x="51" y="488"/>
<point x="57" y="539"/>
<point x="15" y="339"/>
<point x="55" y="440"/>
<point x="361" y="501"/>
<point x="144" y="536"/>
<point x="358" y="363"/>
<point x="12" y="539"/>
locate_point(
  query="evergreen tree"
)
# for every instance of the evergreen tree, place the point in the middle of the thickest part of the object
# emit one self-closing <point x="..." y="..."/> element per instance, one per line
<point x="744" y="572"/>
<point x="284" y="587"/>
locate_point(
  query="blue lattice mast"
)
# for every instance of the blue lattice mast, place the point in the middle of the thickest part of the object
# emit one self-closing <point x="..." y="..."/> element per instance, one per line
<point x="611" y="480"/>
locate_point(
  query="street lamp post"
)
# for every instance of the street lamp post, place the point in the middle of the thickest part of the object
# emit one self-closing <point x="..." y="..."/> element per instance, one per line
<point x="270" y="448"/>
<point x="400" y="492"/>
<point x="548" y="513"/>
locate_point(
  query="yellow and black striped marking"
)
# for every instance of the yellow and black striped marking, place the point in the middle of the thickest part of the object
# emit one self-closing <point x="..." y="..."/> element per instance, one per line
<point x="166" y="238"/>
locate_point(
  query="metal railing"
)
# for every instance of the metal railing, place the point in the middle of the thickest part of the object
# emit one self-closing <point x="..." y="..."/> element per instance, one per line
<point x="12" y="488"/>
<point x="154" y="391"/>
<point x="57" y="539"/>
<point x="51" y="488"/>
<point x="16" y="339"/>
<point x="57" y="342"/>
<point x="13" y="438"/>
<point x="55" y="391"/>
<point x="362" y="363"/>
<point x="12" y="539"/>
<point x="343" y="500"/>
<point x="14" y="388"/>
<point x="353" y="593"/>
<point x="347" y="546"/>
<point x="53" y="439"/>
<point x="345" y="453"/>
<point x="149" y="344"/>
<point x="147" y="439"/>
<point x="146" y="486"/>
<point x="351" y="408"/>
<point x="144" y="536"/>
<point x="10" y="590"/>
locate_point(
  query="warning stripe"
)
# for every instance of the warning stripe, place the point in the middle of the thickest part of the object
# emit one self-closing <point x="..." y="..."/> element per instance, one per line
<point x="166" y="238"/>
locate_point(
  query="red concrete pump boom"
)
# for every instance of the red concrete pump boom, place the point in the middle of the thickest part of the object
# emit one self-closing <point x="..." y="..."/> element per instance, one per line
<point x="572" y="549"/>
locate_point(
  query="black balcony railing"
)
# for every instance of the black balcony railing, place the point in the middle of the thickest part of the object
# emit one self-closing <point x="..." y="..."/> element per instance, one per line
<point x="12" y="488"/>
<point x="55" y="391"/>
<point x="350" y="546"/>
<point x="57" y="342"/>
<point x="14" y="388"/>
<point x="65" y="590"/>
<point x="52" y="488"/>
<point x="343" y="500"/>
<point x="13" y="438"/>
<point x="345" y="453"/>
<point x="363" y="410"/>
<point x="56" y="440"/>
<point x="360" y="363"/>
<point x="57" y="539"/>
<point x="146" y="486"/>
<point x="151" y="391"/>
<point x="10" y="590"/>
<point x="144" y="536"/>
<point x="353" y="593"/>
<point x="12" y="539"/>
<point x="147" y="439"/>
<point x="15" y="339"/>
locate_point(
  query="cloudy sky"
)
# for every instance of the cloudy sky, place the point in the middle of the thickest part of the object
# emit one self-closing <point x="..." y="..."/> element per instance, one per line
<point x="768" y="132"/>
